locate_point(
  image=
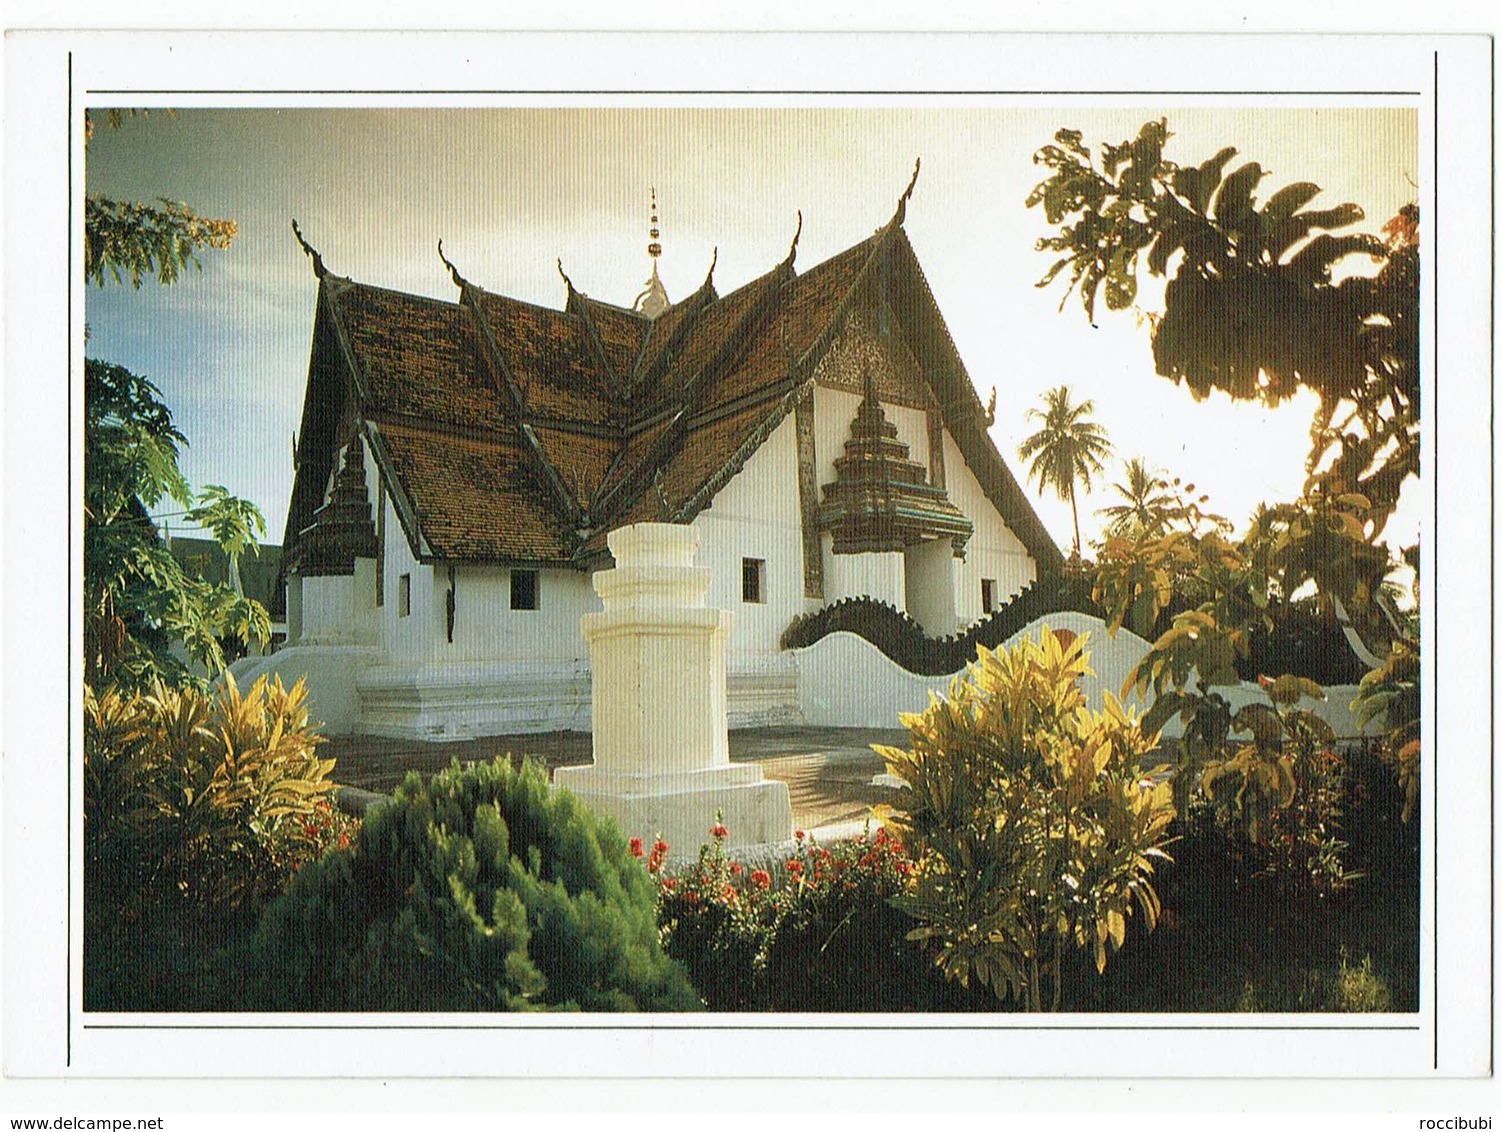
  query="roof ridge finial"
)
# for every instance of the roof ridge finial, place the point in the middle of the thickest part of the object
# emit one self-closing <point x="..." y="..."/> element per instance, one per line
<point x="312" y="253"/>
<point x="654" y="249"/>
<point x="713" y="263"/>
<point x="653" y="301"/>
<point x="796" y="236"/>
<point x="458" y="280"/>
<point x="571" y="288"/>
<point x="901" y="204"/>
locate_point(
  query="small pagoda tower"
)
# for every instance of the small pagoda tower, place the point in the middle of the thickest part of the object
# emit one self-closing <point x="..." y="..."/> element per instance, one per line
<point x="880" y="499"/>
<point x="332" y="570"/>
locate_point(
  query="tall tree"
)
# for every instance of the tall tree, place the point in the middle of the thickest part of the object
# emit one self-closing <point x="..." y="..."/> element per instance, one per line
<point x="1145" y="503"/>
<point x="1151" y="504"/>
<point x="130" y="239"/>
<point x="138" y="600"/>
<point x="1261" y="299"/>
<point x="1068" y="451"/>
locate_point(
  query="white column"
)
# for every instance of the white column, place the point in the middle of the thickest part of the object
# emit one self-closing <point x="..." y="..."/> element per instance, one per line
<point x="661" y="744"/>
<point x="294" y="608"/>
<point x="930" y="585"/>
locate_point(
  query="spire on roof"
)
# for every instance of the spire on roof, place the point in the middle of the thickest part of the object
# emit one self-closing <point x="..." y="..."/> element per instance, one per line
<point x="564" y="274"/>
<point x="653" y="301"/>
<point x="453" y="272"/>
<point x="796" y="236"/>
<point x="312" y="253"/>
<point x="901" y="205"/>
<point x="654" y="249"/>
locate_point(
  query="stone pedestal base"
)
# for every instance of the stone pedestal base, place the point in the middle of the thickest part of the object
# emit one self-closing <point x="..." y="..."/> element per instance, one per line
<point x="680" y="805"/>
<point x="658" y="704"/>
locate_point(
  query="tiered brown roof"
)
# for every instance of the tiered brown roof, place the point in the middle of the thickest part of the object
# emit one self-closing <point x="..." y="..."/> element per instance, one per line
<point x="509" y="432"/>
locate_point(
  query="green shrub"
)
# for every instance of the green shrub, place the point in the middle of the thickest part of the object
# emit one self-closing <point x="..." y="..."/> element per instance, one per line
<point x="814" y="932"/>
<point x="482" y="890"/>
<point x="1280" y="798"/>
<point x="198" y="807"/>
<point x="715" y="918"/>
<point x="841" y="943"/>
<point x="1033" y="827"/>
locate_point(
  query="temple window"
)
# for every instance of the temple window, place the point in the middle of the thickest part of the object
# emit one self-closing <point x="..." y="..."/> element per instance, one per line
<point x="987" y="595"/>
<point x="753" y="580"/>
<point x="523" y="589"/>
<point x="404" y="596"/>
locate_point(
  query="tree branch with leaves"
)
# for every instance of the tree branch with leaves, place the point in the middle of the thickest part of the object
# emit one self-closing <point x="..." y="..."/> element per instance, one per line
<point x="138" y="600"/>
<point x="1261" y="300"/>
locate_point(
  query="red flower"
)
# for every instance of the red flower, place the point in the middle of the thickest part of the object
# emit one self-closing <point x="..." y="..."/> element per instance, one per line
<point x="735" y="868"/>
<point x="799" y="834"/>
<point x="761" y="879"/>
<point x="658" y="855"/>
<point x="690" y="897"/>
<point x="636" y="849"/>
<point x="794" y="866"/>
<point x="668" y="884"/>
<point x="727" y="894"/>
<point x="718" y="832"/>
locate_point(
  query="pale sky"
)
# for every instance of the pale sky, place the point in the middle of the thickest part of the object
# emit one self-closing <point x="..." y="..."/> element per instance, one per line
<point x="511" y="191"/>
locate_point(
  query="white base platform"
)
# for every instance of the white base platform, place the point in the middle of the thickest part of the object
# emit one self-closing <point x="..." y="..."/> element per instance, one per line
<point x="681" y="806"/>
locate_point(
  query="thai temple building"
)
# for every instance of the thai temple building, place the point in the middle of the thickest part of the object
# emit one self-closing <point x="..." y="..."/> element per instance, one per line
<point x="461" y="462"/>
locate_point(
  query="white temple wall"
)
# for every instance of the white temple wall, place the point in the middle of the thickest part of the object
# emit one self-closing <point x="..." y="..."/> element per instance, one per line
<point x="415" y="635"/>
<point x="880" y="576"/>
<point x="486" y="627"/>
<point x="845" y="681"/>
<point x="993" y="551"/>
<point x="757" y="515"/>
<point x="931" y="572"/>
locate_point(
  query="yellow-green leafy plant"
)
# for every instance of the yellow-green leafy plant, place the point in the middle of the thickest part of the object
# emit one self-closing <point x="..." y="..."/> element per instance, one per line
<point x="211" y="796"/>
<point x="1032" y="823"/>
<point x="1255" y="779"/>
<point x="1281" y="794"/>
<point x="1390" y="695"/>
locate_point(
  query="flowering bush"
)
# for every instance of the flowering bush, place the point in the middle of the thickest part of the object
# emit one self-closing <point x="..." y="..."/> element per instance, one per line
<point x="839" y="943"/>
<point x="326" y="827"/>
<point x="716" y="920"/>
<point x="814" y="931"/>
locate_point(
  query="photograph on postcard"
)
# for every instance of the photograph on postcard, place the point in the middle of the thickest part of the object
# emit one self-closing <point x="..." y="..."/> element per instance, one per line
<point x="881" y="558"/>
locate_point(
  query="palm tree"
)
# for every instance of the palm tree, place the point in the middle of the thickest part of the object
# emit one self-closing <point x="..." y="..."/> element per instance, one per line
<point x="1068" y="449"/>
<point x="1147" y="507"/>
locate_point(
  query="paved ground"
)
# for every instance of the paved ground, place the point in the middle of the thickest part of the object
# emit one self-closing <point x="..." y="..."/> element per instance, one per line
<point x="827" y="769"/>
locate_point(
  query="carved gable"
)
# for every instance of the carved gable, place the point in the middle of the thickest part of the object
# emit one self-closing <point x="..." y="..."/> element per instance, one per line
<point x="871" y="343"/>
